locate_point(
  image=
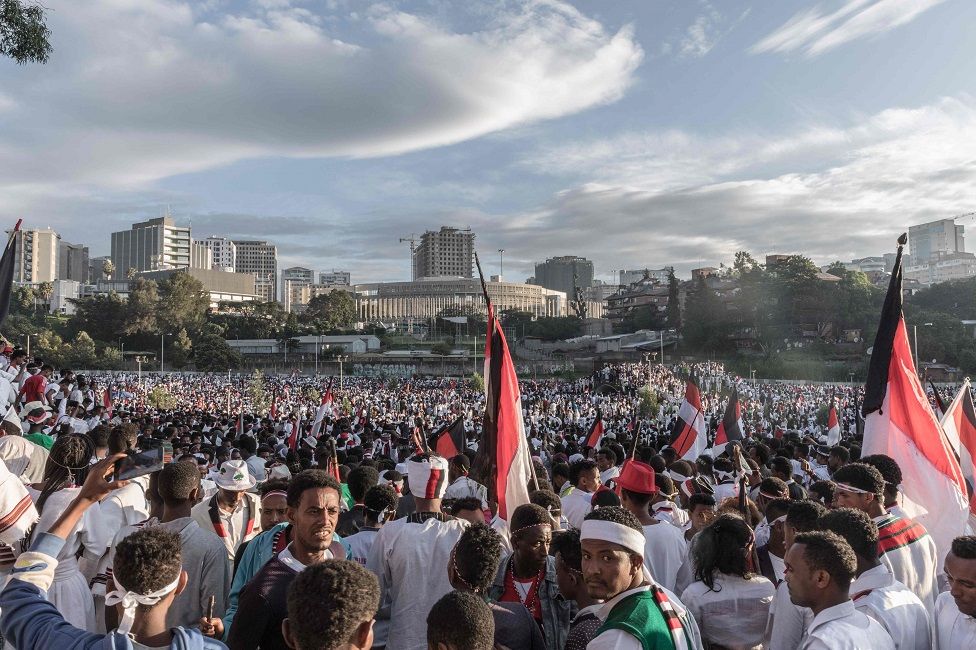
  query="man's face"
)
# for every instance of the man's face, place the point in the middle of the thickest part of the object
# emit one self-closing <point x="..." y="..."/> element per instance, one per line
<point x="532" y="545"/>
<point x="833" y="463"/>
<point x="603" y="463"/>
<point x="566" y="578"/>
<point x="471" y="516"/>
<point x="608" y="569"/>
<point x="962" y="583"/>
<point x="799" y="578"/>
<point x="231" y="497"/>
<point x="701" y="516"/>
<point x="315" y="518"/>
<point x="274" y="510"/>
<point x="846" y="499"/>
<point x="589" y="480"/>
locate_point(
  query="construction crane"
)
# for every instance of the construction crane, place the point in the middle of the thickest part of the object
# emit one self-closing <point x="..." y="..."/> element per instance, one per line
<point x="963" y="216"/>
<point x="413" y="245"/>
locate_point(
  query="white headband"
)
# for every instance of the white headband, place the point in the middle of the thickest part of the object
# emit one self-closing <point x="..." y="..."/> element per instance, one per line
<point x="846" y="487"/>
<point x="609" y="531"/>
<point x="678" y="478"/>
<point x="130" y="600"/>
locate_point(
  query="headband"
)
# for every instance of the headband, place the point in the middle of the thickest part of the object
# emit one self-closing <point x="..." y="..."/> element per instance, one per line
<point x="779" y="520"/>
<point x="610" y="531"/>
<point x="427" y="478"/>
<point x="519" y="530"/>
<point x="676" y="477"/>
<point x="275" y="493"/>
<point x="131" y="600"/>
<point x="847" y="487"/>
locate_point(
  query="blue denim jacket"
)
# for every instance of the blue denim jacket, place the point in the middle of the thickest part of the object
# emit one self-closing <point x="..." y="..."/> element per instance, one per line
<point x="555" y="609"/>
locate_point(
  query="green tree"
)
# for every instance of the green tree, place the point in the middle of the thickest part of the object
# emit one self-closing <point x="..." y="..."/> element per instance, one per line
<point x="108" y="269"/>
<point x="160" y="398"/>
<point x="181" y="349"/>
<point x="255" y="390"/>
<point x="81" y="352"/>
<point x="23" y="32"/>
<point x="477" y="383"/>
<point x="706" y="321"/>
<point x="211" y="352"/>
<point x="331" y="311"/>
<point x="105" y="314"/>
<point x="672" y="315"/>
<point x="44" y="291"/>
<point x="183" y="304"/>
<point x="441" y="349"/>
<point x="22" y="301"/>
<point x="141" y="308"/>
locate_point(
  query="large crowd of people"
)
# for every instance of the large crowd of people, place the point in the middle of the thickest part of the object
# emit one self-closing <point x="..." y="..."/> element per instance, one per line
<point x="303" y="514"/>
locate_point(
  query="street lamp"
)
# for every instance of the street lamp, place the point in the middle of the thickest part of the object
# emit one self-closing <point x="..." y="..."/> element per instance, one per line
<point x="162" y="351"/>
<point x="647" y="359"/>
<point x="341" y="359"/>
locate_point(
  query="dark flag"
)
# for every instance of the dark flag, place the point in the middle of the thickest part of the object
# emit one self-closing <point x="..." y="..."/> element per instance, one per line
<point x="7" y="272"/>
<point x="449" y="440"/>
<point x="730" y="428"/>
<point x="596" y="431"/>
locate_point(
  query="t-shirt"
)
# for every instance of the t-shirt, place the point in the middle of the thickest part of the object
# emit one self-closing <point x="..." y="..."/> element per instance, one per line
<point x="41" y="439"/>
<point x="33" y="390"/>
<point x="514" y="627"/>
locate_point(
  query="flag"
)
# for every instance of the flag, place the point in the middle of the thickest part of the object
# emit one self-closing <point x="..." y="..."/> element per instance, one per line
<point x="940" y="407"/>
<point x="107" y="401"/>
<point x="7" y="272"/>
<point x="899" y="422"/>
<point x="449" y="440"/>
<point x="596" y="431"/>
<point x="959" y="425"/>
<point x="730" y="428"/>
<point x="688" y="438"/>
<point x="296" y="433"/>
<point x="324" y="405"/>
<point x="274" y="404"/>
<point x="833" y="425"/>
<point x="506" y="449"/>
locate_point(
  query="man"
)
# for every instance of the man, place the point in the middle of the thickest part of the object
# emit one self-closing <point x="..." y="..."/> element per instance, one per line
<point x="37" y="414"/>
<point x="569" y="577"/>
<point x="891" y="473"/>
<point x="819" y="569"/>
<point x="783" y="470"/>
<point x="460" y="621"/>
<point x="469" y="509"/>
<point x="955" y="610"/>
<point x="462" y="486"/>
<point x="359" y="481"/>
<point x="231" y="513"/>
<point x="473" y="565"/>
<point x="528" y="575"/>
<point x="771" y="554"/>
<point x="606" y="462"/>
<point x="313" y="510"/>
<point x="875" y="591"/>
<point x="34" y="388"/>
<point x="409" y="555"/>
<point x="837" y="458"/>
<point x="636" y="613"/>
<point x="905" y="546"/>
<point x="202" y="554"/>
<point x="585" y="477"/>
<point x="379" y="505"/>
<point x="664" y="547"/>
<point x="663" y="504"/>
<point x="345" y="590"/>
<point x="148" y="578"/>
<point x="560" y="479"/>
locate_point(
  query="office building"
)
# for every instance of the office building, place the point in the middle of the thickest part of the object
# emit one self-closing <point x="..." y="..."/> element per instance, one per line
<point x="565" y="274"/>
<point x="260" y="259"/>
<point x="201" y="257"/>
<point x="153" y="245"/>
<point x="930" y="241"/>
<point x="36" y="255"/>
<point x="627" y="278"/>
<point x="945" y="268"/>
<point x="96" y="269"/>
<point x="295" y="282"/>
<point x="222" y="286"/>
<point x="448" y="252"/>
<point x="224" y="253"/>
<point x="335" y="278"/>
<point x="73" y="262"/>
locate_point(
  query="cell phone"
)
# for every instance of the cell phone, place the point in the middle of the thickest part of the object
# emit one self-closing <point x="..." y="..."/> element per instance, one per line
<point x="139" y="462"/>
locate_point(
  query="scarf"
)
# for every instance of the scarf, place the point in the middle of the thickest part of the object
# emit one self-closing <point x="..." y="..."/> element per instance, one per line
<point x="218" y="525"/>
<point x="671" y="617"/>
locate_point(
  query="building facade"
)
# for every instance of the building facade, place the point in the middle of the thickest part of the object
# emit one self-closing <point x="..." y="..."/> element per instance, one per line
<point x="73" y="262"/>
<point x="36" y="255"/>
<point x="956" y="266"/>
<point x="221" y="285"/>
<point x="153" y="245"/>
<point x="448" y="252"/>
<point x="224" y="252"/>
<point x="201" y="257"/>
<point x="431" y="297"/>
<point x="932" y="240"/>
<point x="627" y="278"/>
<point x="335" y="278"/>
<point x="565" y="274"/>
<point x="260" y="259"/>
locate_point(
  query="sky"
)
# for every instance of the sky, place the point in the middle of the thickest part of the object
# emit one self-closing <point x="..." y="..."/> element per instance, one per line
<point x="636" y="133"/>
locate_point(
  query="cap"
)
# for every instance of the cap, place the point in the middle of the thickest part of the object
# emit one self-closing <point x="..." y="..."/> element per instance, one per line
<point x="637" y="477"/>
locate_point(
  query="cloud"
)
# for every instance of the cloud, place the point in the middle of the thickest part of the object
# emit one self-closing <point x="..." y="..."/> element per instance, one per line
<point x="814" y="31"/>
<point x="831" y="192"/>
<point x="702" y="34"/>
<point x="185" y="87"/>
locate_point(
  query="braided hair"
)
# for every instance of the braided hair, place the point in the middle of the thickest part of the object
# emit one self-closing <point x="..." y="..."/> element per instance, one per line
<point x="67" y="465"/>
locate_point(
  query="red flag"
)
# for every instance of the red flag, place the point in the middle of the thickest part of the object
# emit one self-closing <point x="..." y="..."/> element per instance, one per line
<point x="326" y="404"/>
<point x="274" y="404"/>
<point x="504" y="445"/>
<point x="899" y="422"/>
<point x="107" y="401"/>
<point x="596" y="431"/>
<point x="959" y="424"/>
<point x="730" y="428"/>
<point x="449" y="440"/>
<point x="833" y="426"/>
<point x="688" y="437"/>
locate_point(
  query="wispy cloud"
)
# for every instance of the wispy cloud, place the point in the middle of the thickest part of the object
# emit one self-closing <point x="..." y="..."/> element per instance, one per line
<point x="815" y="31"/>
<point x="703" y="34"/>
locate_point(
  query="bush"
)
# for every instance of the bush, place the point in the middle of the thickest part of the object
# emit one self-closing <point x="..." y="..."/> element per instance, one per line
<point x="477" y="383"/>
<point x="160" y="398"/>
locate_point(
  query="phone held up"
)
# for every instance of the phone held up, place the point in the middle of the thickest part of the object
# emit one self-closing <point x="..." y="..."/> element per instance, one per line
<point x="139" y="462"/>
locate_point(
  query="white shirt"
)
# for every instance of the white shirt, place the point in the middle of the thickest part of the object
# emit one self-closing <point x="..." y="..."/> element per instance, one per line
<point x="665" y="551"/>
<point x="609" y="474"/>
<point x="787" y="622"/>
<point x="900" y="612"/>
<point x="360" y="543"/>
<point x="842" y="627"/>
<point x="576" y="505"/>
<point x="668" y="512"/>
<point x="914" y="564"/>
<point x="734" y="613"/>
<point x="952" y="628"/>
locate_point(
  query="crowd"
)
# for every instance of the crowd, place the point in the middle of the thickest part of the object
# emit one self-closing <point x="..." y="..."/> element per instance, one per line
<point x="323" y="520"/>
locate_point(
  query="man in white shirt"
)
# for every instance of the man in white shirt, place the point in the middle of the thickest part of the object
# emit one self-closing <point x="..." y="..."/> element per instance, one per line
<point x="955" y="625"/>
<point x="232" y="513"/>
<point x="462" y="486"/>
<point x="875" y="591"/>
<point x="820" y="567"/>
<point x="576" y="505"/>
<point x="606" y="461"/>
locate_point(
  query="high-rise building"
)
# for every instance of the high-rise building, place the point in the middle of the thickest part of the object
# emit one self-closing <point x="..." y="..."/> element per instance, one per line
<point x="628" y="278"/>
<point x="565" y="274"/>
<point x="96" y="269"/>
<point x="448" y="252"/>
<point x="335" y="278"/>
<point x="73" y="262"/>
<point x="36" y="255"/>
<point x="201" y="257"/>
<point x="153" y="245"/>
<point x="295" y="283"/>
<point x="224" y="252"/>
<point x="930" y="241"/>
<point x="260" y="259"/>
<point x="298" y="274"/>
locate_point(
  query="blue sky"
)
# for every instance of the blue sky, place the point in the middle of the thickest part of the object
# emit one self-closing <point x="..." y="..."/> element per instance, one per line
<point x="636" y="133"/>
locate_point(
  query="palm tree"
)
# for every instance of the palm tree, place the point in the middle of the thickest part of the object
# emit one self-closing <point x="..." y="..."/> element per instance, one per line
<point x="108" y="268"/>
<point x="44" y="291"/>
<point x="131" y="273"/>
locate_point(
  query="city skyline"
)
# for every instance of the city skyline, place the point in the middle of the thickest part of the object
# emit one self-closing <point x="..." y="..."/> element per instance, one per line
<point x="631" y="133"/>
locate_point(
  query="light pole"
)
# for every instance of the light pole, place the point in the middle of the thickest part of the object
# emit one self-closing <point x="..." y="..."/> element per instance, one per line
<point x="918" y="370"/>
<point x="647" y="359"/>
<point x="139" y="365"/>
<point x="501" y="263"/>
<point x="162" y="352"/>
<point x="341" y="359"/>
<point x="318" y="344"/>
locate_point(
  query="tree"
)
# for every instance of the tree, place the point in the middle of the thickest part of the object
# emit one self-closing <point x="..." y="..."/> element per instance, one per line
<point x="211" y="352"/>
<point x="23" y="300"/>
<point x="81" y="353"/>
<point x="142" y="307"/>
<point x="706" y="322"/>
<point x="183" y="304"/>
<point x="23" y="32"/>
<point x="335" y="310"/>
<point x="105" y="314"/>
<point x="131" y="273"/>
<point x="180" y="351"/>
<point x="477" y="383"/>
<point x="672" y="315"/>
<point x="441" y="349"/>
<point x="160" y="398"/>
<point x="255" y="390"/>
<point x="108" y="268"/>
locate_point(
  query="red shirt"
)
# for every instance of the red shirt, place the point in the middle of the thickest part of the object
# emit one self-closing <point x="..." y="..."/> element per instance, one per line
<point x="34" y="387"/>
<point x="512" y="594"/>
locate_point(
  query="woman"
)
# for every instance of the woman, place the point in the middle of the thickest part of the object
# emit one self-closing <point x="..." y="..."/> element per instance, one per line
<point x="729" y="601"/>
<point x="67" y="466"/>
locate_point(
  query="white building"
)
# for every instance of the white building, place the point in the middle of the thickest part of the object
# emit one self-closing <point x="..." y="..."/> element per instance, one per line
<point x="153" y="245"/>
<point x="36" y="255"/>
<point x="224" y="252"/>
<point x="957" y="266"/>
<point x="335" y="278"/>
